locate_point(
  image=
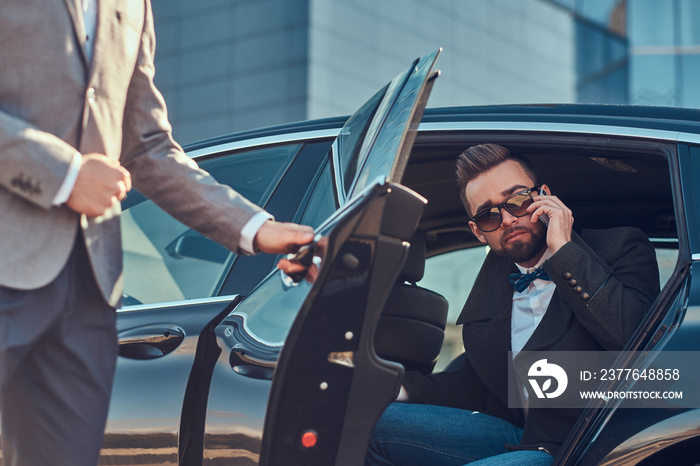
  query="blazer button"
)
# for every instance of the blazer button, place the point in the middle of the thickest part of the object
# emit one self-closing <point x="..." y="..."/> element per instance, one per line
<point x="577" y="289"/>
<point x="585" y="297"/>
<point x="567" y="275"/>
<point x="91" y="95"/>
<point x="573" y="282"/>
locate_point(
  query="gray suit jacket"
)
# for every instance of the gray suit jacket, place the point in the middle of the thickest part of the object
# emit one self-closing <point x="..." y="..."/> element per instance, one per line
<point x="54" y="102"/>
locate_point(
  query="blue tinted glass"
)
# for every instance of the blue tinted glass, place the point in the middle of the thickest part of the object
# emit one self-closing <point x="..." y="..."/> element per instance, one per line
<point x="608" y="89"/>
<point x="597" y="49"/>
<point x="322" y="202"/>
<point x="252" y="174"/>
<point x="590" y="54"/>
<point x="690" y="91"/>
<point x="650" y="22"/>
<point x="618" y="49"/>
<point x="601" y="65"/>
<point x="689" y="22"/>
<point x="599" y="11"/>
<point x="166" y="261"/>
<point x="349" y="141"/>
<point x="652" y="80"/>
<point x="566" y="3"/>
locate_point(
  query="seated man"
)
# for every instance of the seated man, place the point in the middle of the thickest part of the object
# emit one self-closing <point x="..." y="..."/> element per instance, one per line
<point x="594" y="291"/>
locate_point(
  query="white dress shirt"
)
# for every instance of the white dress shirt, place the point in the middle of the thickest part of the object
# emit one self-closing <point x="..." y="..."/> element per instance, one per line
<point x="529" y="306"/>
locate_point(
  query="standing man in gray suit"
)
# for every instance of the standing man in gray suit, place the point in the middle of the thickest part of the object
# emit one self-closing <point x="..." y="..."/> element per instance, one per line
<point x="80" y="121"/>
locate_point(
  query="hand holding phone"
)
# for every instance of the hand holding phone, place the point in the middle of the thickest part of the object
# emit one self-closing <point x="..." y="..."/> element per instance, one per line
<point x="544" y="218"/>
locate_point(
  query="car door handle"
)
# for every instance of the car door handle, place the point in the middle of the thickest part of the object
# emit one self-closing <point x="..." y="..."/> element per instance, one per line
<point x="247" y="356"/>
<point x="150" y="342"/>
<point x="248" y="363"/>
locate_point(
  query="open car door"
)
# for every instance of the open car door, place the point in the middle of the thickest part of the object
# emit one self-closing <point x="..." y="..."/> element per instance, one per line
<point x="303" y="351"/>
<point x="329" y="387"/>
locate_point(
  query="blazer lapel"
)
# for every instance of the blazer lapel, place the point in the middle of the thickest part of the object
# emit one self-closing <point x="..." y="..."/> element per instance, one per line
<point x="552" y="327"/>
<point x="492" y="295"/>
<point x="103" y="30"/>
<point x="557" y="319"/>
<point x="486" y="319"/>
<point x="76" y="15"/>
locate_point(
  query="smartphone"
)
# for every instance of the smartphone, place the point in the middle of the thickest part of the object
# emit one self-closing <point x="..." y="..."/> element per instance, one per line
<point x="544" y="218"/>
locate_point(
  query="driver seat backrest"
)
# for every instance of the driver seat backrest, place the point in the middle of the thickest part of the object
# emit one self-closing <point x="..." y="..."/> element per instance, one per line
<point x="411" y="327"/>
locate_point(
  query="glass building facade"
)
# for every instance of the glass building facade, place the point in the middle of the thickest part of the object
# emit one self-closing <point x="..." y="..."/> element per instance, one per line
<point x="230" y="65"/>
<point x="664" y="52"/>
<point x="640" y="52"/>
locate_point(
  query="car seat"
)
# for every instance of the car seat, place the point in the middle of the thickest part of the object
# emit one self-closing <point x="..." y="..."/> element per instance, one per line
<point x="411" y="327"/>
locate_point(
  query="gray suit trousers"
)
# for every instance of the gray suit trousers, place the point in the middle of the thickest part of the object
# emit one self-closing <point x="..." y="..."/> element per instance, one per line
<point x="58" y="349"/>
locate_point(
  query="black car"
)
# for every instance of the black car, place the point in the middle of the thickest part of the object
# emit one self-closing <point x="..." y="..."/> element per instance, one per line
<point x="223" y="360"/>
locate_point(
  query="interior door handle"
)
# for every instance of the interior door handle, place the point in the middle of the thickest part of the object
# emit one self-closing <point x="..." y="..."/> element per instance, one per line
<point x="150" y="341"/>
<point x="247" y="356"/>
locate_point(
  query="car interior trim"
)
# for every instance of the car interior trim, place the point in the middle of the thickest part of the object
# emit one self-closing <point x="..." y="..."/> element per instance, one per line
<point x="302" y="137"/>
<point x="645" y="133"/>
<point x="186" y="302"/>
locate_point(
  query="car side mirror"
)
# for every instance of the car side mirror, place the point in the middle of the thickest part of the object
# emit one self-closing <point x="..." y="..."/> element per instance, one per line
<point x="194" y="245"/>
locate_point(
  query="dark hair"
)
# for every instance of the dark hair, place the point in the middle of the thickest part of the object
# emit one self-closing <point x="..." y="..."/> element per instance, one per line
<point x="479" y="159"/>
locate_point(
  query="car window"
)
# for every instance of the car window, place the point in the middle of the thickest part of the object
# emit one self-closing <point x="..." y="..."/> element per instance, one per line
<point x="348" y="145"/>
<point x="322" y="202"/>
<point x="453" y="274"/>
<point x="666" y="257"/>
<point x="166" y="261"/>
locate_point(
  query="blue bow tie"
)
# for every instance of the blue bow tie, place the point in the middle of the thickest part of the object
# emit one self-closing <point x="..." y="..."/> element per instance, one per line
<point x="520" y="281"/>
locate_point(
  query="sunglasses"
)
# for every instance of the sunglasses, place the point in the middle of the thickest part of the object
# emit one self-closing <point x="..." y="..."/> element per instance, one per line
<point x="516" y="205"/>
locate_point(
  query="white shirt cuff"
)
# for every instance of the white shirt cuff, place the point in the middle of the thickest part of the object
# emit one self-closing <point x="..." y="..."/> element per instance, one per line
<point x="403" y="394"/>
<point x="250" y="229"/>
<point x="69" y="181"/>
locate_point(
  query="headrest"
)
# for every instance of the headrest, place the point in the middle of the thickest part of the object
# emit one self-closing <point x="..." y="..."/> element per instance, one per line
<point x="414" y="268"/>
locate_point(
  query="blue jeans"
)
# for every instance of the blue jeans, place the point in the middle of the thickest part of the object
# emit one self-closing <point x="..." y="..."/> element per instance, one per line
<point x="421" y="435"/>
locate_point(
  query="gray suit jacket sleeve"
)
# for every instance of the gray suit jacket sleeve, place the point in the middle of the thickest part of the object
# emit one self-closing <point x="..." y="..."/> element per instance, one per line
<point x="160" y="169"/>
<point x="33" y="163"/>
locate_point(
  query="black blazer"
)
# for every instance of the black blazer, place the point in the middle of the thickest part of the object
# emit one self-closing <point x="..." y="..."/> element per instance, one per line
<point x="618" y="277"/>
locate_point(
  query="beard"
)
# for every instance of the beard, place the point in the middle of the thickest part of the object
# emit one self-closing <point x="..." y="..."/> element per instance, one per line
<point x="524" y="250"/>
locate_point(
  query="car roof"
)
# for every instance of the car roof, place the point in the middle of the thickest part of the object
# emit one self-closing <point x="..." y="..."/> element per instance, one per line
<point x="659" y="118"/>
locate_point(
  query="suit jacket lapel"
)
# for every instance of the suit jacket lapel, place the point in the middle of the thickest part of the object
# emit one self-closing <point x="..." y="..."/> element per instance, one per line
<point x="76" y="15"/>
<point x="103" y="31"/>
<point x="557" y="318"/>
<point x="552" y="327"/>
<point x="486" y="319"/>
<point x="491" y="294"/>
<point x="490" y="306"/>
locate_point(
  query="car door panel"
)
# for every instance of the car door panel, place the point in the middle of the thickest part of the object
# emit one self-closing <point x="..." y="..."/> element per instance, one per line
<point x="157" y="353"/>
<point x="603" y="435"/>
<point x="329" y="382"/>
<point x="157" y="394"/>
